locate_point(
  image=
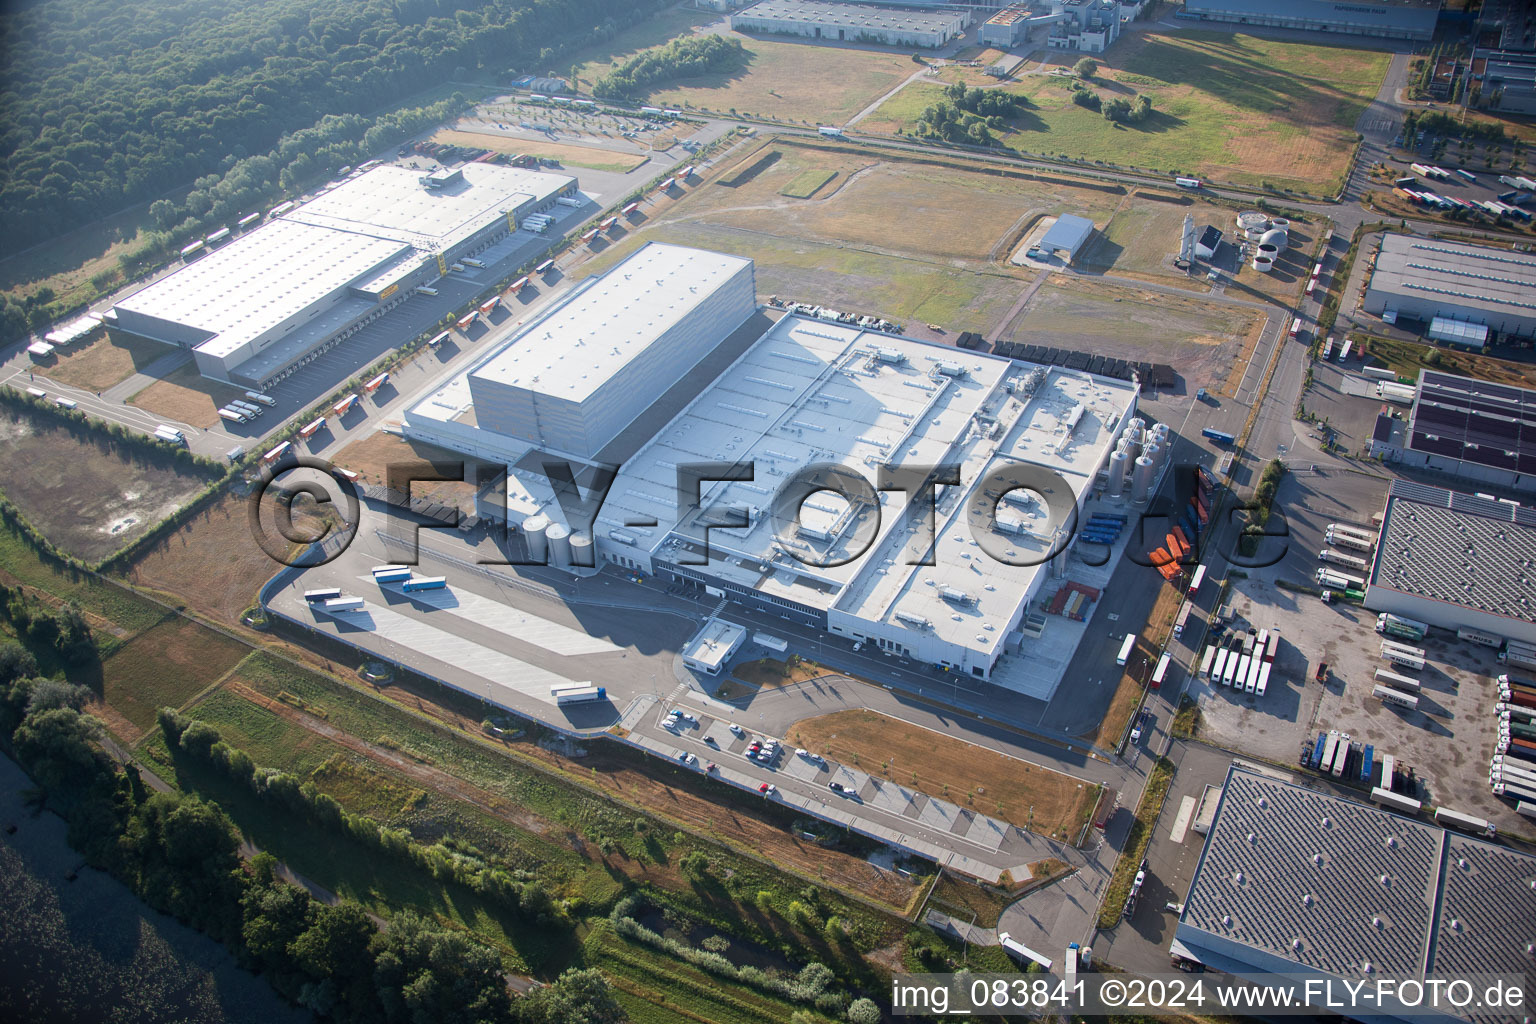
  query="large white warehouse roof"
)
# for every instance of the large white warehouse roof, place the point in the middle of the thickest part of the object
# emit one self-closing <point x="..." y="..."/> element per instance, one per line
<point x="610" y="321"/>
<point x="390" y="202"/>
<point x="239" y="292"/>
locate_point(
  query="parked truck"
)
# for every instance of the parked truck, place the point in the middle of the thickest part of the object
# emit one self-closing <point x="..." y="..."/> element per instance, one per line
<point x="584" y="695"/>
<point x="1340" y="558"/>
<point x="1349" y="540"/>
<point x="424" y="583"/>
<point x="1338" y="580"/>
<point x="1404" y="628"/>
<point x="1518" y="652"/>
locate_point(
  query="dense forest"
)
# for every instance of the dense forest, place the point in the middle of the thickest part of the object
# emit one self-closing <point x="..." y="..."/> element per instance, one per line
<point x="104" y="103"/>
<point x="691" y="55"/>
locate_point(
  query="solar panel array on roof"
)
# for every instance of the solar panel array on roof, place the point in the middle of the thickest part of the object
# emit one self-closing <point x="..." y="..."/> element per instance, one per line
<point x="1354" y="891"/>
<point x="1460" y="549"/>
<point x="1475" y="421"/>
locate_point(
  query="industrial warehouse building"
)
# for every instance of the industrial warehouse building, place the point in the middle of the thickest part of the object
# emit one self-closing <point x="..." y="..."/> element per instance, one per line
<point x="1475" y="429"/>
<point x="1507" y="79"/>
<point x="1067" y="236"/>
<point x="261" y="305"/>
<point x="1300" y="882"/>
<point x="1387" y="19"/>
<point x="1424" y="279"/>
<point x="1457" y="561"/>
<point x="781" y="400"/>
<point x="854" y="23"/>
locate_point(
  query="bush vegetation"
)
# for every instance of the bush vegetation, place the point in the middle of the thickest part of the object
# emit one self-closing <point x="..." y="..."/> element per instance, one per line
<point x="690" y="55"/>
<point x="969" y="115"/>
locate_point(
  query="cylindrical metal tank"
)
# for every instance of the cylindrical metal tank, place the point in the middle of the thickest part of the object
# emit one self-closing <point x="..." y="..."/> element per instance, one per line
<point x="1160" y="433"/>
<point x="1281" y="223"/>
<point x="1263" y="264"/>
<point x="559" y="536"/>
<point x="1252" y="223"/>
<point x="1155" y="453"/>
<point x="1117" y="466"/>
<point x="1130" y="449"/>
<point x="1141" y="480"/>
<point x="1269" y="249"/>
<point x="582" y="552"/>
<point x="534" y="528"/>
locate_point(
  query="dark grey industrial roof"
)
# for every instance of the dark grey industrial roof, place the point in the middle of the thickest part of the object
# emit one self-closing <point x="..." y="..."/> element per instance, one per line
<point x="1478" y="279"/>
<point x="1458" y="548"/>
<point x="1210" y="237"/>
<point x="1298" y="873"/>
<point x="1352" y="890"/>
<point x="1475" y="421"/>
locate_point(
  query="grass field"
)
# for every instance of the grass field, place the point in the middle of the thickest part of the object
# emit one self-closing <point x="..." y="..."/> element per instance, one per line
<point x="843" y="248"/>
<point x="785" y="81"/>
<point x="86" y="498"/>
<point x="1023" y="794"/>
<point x="807" y="183"/>
<point x="108" y="360"/>
<point x="1201" y="338"/>
<point x="568" y="155"/>
<point x="186" y="396"/>
<point x="1232" y="107"/>
<point x="164" y="667"/>
<point x="211" y="563"/>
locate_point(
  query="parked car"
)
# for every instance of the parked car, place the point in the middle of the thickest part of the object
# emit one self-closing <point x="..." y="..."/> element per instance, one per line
<point x="738" y="730"/>
<point x="767" y="789"/>
<point x="837" y="787"/>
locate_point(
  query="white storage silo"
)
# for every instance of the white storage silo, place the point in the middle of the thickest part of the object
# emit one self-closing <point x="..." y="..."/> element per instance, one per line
<point x="1160" y="433"/>
<point x="1154" y="452"/>
<point x="582" y="552"/>
<point x="1276" y="237"/>
<point x="1117" y="466"/>
<point x="559" y="536"/>
<point x="534" y="529"/>
<point x="1263" y="264"/>
<point x="1141" y="480"/>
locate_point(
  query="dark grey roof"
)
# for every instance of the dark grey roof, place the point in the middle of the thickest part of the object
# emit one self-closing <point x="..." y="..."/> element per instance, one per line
<point x="1351" y="890"/>
<point x="1475" y="421"/>
<point x="1298" y="874"/>
<point x="1383" y="430"/>
<point x="1210" y="237"/>
<point x="1458" y="548"/>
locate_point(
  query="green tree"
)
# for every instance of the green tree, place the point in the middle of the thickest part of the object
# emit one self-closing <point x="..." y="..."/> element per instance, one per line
<point x="579" y="996"/>
<point x="425" y="973"/>
<point x="58" y="748"/>
<point x="864" y="1011"/>
<point x="1086" y="68"/>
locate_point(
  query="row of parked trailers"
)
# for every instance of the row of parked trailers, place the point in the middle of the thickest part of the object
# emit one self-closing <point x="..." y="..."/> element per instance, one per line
<point x="1244" y="666"/>
<point x="1512" y="770"/>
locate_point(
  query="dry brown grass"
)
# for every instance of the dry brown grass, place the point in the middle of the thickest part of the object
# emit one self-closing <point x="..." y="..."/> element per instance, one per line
<point x="165" y="667"/>
<point x="186" y="396"/>
<point x="108" y="360"/>
<point x="984" y="780"/>
<point x="212" y="563"/>
<point x="372" y="456"/>
<point x="581" y="156"/>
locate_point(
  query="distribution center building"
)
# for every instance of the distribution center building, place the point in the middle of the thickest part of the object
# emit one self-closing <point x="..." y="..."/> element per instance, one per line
<point x="1387" y="19"/>
<point x="1425" y="279"/>
<point x="1296" y="881"/>
<point x="779" y="403"/>
<point x="854" y="23"/>
<point x="1456" y="561"/>
<point x="256" y="308"/>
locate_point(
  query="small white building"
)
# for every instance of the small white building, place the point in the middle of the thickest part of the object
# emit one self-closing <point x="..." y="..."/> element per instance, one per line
<point x="713" y="645"/>
<point x="1208" y="242"/>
